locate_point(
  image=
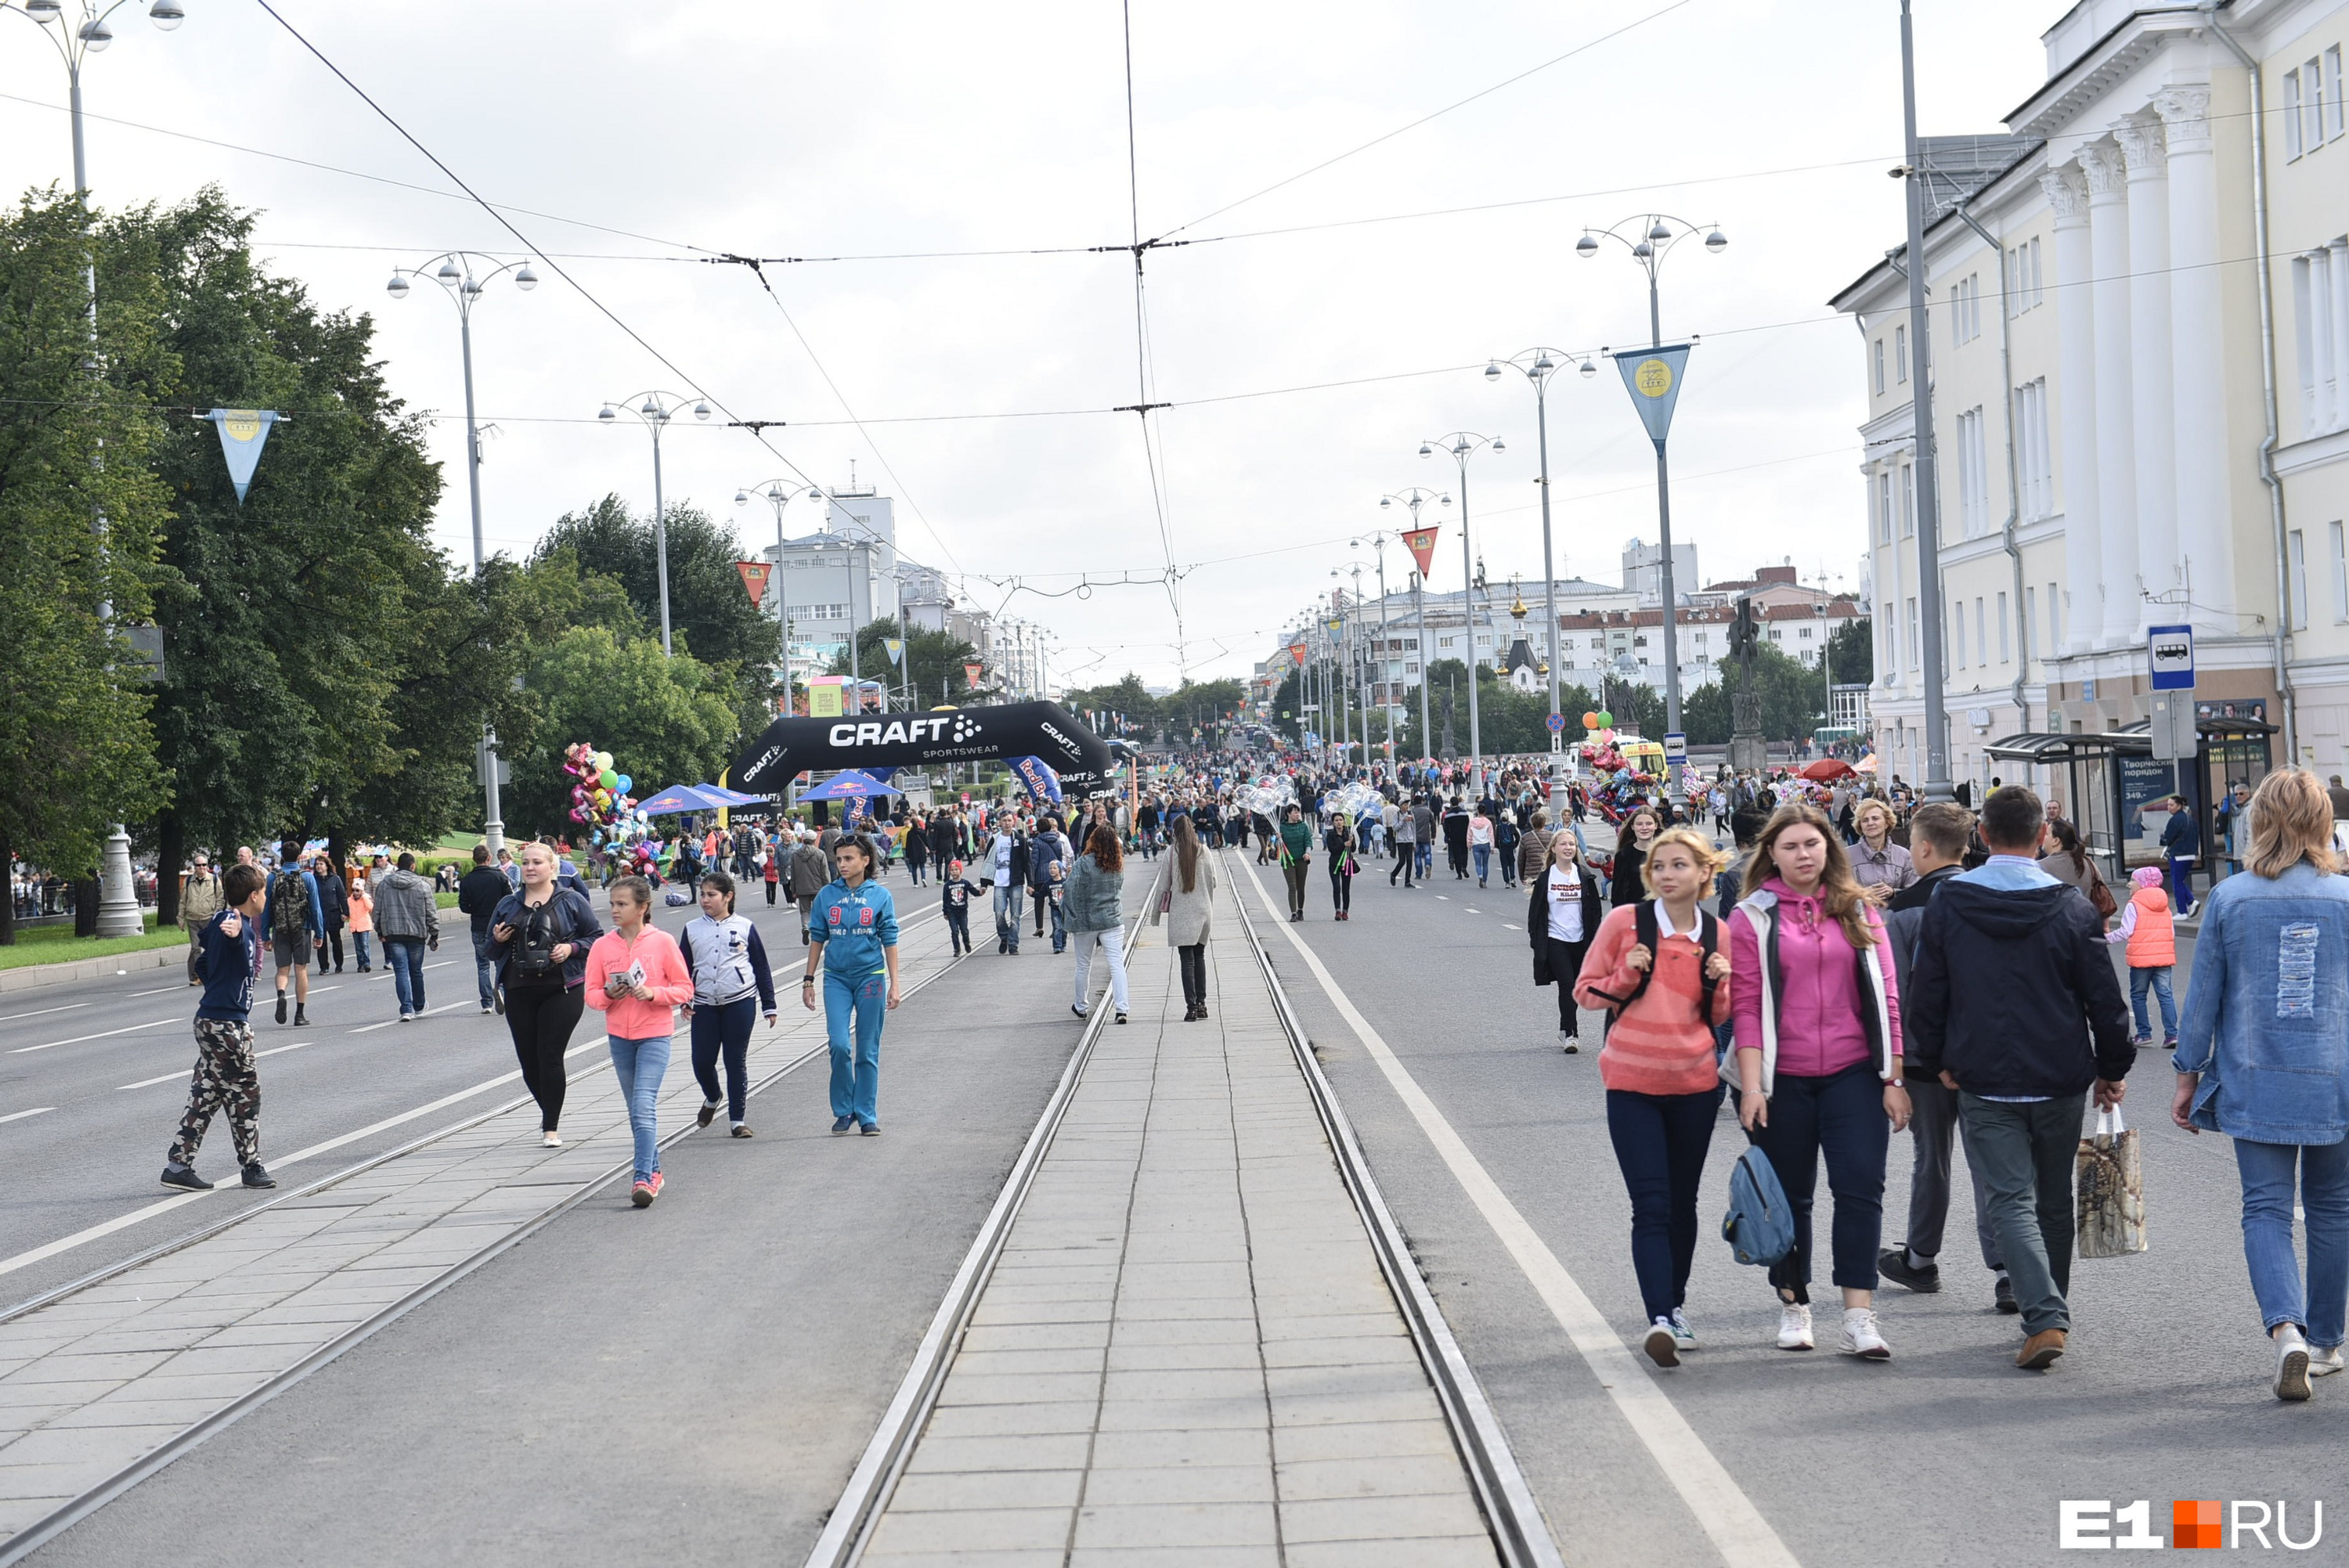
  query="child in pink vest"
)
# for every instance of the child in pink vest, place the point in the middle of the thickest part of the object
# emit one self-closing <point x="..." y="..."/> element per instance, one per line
<point x="2150" y="930"/>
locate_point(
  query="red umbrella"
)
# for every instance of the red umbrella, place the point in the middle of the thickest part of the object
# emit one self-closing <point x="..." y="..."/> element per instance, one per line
<point x="1828" y="769"/>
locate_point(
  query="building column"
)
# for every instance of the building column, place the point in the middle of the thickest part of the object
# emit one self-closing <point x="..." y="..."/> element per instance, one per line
<point x="2151" y="393"/>
<point x="2075" y="387"/>
<point x="2108" y="242"/>
<point x="2198" y="360"/>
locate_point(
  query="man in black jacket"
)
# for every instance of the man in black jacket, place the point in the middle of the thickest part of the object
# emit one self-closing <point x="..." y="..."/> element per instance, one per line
<point x="478" y="895"/>
<point x="2014" y="1004"/>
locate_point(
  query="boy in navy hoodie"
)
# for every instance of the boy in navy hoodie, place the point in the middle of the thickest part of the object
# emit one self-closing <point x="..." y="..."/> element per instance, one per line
<point x="224" y="1075"/>
<point x="957" y="890"/>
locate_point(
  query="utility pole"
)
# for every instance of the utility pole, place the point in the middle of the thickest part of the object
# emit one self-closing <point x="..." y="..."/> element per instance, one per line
<point x="1920" y="383"/>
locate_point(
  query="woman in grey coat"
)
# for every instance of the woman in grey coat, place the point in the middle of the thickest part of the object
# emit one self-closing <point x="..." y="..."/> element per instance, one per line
<point x="1091" y="908"/>
<point x="1184" y="908"/>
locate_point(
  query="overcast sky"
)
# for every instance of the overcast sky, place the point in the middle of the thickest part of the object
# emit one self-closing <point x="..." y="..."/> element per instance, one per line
<point x="650" y="134"/>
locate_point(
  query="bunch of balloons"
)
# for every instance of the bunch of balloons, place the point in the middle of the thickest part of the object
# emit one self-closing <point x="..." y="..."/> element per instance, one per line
<point x="600" y="801"/>
<point x="1600" y="725"/>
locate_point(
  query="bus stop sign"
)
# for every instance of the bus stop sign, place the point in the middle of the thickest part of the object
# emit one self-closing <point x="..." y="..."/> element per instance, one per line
<point x="2170" y="652"/>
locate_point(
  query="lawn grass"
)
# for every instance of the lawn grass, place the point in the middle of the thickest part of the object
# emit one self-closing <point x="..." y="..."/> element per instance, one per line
<point x="58" y="944"/>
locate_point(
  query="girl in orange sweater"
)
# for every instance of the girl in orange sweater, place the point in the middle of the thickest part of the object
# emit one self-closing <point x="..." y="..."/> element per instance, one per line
<point x="637" y="978"/>
<point x="1663" y="1082"/>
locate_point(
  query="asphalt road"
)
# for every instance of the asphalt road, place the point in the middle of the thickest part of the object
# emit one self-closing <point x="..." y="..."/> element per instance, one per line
<point x="1946" y="1454"/>
<point x="106" y="1065"/>
<point x="687" y="1384"/>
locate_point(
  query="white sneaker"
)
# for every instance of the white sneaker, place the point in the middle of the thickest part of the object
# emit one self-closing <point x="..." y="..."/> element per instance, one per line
<point x="1662" y="1344"/>
<point x="1794" y="1327"/>
<point x="1860" y="1337"/>
<point x="2292" y="1365"/>
<point x="551" y="1141"/>
<point x="2324" y="1363"/>
<point x="1683" y="1335"/>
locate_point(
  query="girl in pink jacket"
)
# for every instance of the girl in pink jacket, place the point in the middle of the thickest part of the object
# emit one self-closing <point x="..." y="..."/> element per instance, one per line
<point x="637" y="978"/>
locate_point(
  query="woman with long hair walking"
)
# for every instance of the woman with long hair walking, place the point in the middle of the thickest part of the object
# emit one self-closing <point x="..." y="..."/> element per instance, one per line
<point x="1562" y="915"/>
<point x="731" y="985"/>
<point x="1190" y="897"/>
<point x="1631" y="838"/>
<point x="2261" y="1057"/>
<point x="637" y="978"/>
<point x="1095" y="918"/>
<point x="1817" y="1015"/>
<point x="1338" y="839"/>
<point x="539" y="938"/>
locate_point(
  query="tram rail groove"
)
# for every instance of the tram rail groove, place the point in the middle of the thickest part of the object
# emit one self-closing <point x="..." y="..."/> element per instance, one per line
<point x="72" y="1512"/>
<point x="848" y="1528"/>
<point x="1511" y="1513"/>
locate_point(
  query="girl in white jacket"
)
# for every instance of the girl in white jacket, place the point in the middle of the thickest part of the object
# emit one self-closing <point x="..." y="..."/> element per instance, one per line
<point x="731" y="982"/>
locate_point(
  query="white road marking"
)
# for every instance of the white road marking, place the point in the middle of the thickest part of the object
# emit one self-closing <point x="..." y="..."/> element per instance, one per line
<point x="445" y="1006"/>
<point x="150" y="1083"/>
<point x="158" y="991"/>
<point x="1444" y="896"/>
<point x="107" y="1034"/>
<point x="21" y="1115"/>
<point x="1720" y="1507"/>
<point x="1472" y="911"/>
<point x="1507" y="926"/>
<point x="69" y="1007"/>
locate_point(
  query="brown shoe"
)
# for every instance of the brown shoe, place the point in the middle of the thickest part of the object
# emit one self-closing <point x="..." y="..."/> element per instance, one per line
<point x="2039" y="1351"/>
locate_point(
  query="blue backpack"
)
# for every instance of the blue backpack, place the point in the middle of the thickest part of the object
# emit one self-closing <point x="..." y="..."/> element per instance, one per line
<point x="1760" y="1224"/>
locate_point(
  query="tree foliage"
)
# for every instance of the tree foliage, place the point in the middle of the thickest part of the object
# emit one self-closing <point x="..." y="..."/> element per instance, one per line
<point x="935" y="660"/>
<point x="1793" y="694"/>
<point x="75" y="441"/>
<point x="710" y="613"/>
<point x="1851" y="653"/>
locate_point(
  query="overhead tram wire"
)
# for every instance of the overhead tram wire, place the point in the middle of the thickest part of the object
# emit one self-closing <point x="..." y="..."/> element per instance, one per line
<point x="556" y="267"/>
<point x="1143" y="406"/>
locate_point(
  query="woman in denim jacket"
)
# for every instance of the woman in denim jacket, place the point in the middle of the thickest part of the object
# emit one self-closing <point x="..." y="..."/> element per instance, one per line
<point x="2263" y="1057"/>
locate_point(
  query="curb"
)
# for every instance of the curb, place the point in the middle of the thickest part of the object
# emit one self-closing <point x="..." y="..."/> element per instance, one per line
<point x="32" y="976"/>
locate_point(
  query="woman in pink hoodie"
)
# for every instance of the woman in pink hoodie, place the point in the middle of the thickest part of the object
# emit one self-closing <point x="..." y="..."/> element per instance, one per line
<point x="1818" y="1020"/>
<point x="637" y="978"/>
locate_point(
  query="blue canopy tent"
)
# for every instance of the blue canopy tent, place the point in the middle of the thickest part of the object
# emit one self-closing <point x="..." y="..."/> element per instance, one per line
<point x="682" y="797"/>
<point x="848" y="784"/>
<point x="720" y="795"/>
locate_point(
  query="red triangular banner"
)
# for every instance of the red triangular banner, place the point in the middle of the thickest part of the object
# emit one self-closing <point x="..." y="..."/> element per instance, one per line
<point x="1296" y="652"/>
<point x="1421" y="544"/>
<point x="754" y="578"/>
<point x="970" y="677"/>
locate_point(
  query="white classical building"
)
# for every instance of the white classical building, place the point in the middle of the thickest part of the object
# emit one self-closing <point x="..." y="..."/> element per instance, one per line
<point x="2103" y="424"/>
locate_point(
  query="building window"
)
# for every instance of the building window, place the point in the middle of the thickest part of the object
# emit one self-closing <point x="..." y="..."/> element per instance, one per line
<point x="2320" y="288"/>
<point x="2312" y="83"/>
<point x="1982" y="631"/>
<point x="2030" y="618"/>
<point x="2035" y="460"/>
<point x="1907" y="500"/>
<point x="2024" y="279"/>
<point x="2340" y="576"/>
<point x="1878" y="347"/>
<point x="2299" y="561"/>
<point x="1954" y="640"/>
<point x="1973" y="473"/>
<point x="1900" y="354"/>
<point x="1804" y="632"/>
<point x="2054" y="618"/>
<point x="1778" y="634"/>
<point x="1966" y="313"/>
<point x="2292" y="147"/>
<point x="2005" y="646"/>
<point x="2333" y="115"/>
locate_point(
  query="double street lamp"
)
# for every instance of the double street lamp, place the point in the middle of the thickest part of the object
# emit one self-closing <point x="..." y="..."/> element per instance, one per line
<point x="117" y="901"/>
<point x="1460" y="446"/>
<point x="778" y="494"/>
<point x="1652" y="238"/>
<point x="1537" y="366"/>
<point x="463" y="282"/>
<point x="656" y="409"/>
<point x="1415" y="497"/>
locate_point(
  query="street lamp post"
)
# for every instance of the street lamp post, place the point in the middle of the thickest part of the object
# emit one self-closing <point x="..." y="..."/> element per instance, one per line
<point x="1658" y="238"/>
<point x="778" y="494"/>
<point x="656" y="410"/>
<point x="1928" y="496"/>
<point x="1415" y="497"/>
<point x="461" y="282"/>
<point x="118" y="898"/>
<point x="1537" y="366"/>
<point x="1384" y="685"/>
<point x="1462" y="444"/>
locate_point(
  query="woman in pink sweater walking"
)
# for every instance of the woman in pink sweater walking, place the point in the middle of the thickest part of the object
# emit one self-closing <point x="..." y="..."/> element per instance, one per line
<point x="1663" y="1081"/>
<point x="1818" y="1058"/>
<point x="637" y="978"/>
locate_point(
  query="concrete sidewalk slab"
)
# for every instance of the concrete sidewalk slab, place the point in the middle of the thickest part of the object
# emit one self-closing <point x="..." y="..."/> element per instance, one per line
<point x="1187" y="1351"/>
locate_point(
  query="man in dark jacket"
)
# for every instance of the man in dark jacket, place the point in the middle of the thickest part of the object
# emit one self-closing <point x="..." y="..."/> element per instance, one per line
<point x="478" y="896"/>
<point x="1937" y="844"/>
<point x="2014" y="1004"/>
<point x="2181" y="846"/>
<point x="809" y="871"/>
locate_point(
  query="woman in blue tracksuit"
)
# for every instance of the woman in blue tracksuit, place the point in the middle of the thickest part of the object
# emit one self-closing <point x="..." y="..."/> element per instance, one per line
<point x="731" y="984"/>
<point x="852" y="949"/>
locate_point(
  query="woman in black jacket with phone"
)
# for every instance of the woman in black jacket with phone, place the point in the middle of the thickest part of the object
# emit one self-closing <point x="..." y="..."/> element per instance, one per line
<point x="539" y="939"/>
<point x="1562" y="914"/>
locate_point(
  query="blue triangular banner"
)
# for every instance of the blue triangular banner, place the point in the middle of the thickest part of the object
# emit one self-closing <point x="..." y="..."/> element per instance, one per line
<point x="243" y="433"/>
<point x="1652" y="377"/>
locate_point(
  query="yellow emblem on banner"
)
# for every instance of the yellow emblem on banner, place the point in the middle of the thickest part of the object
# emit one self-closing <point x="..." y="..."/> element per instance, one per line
<point x="1652" y="377"/>
<point x="242" y="424"/>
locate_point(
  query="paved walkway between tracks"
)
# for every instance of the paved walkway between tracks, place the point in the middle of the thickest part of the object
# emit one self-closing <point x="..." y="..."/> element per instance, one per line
<point x="1188" y="1353"/>
<point x="109" y="1375"/>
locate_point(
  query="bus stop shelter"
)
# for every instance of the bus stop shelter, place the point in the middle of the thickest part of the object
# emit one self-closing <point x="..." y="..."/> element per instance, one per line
<point x="2114" y="786"/>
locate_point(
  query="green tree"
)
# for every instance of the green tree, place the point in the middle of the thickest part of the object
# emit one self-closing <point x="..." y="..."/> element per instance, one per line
<point x="1204" y="706"/>
<point x="935" y="658"/>
<point x="1790" y="690"/>
<point x="710" y="613"/>
<point x="1128" y="698"/>
<point x="75" y="440"/>
<point x="1851" y="653"/>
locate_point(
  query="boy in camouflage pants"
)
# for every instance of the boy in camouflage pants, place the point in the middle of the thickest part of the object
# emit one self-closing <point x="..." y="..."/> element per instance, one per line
<point x="231" y="946"/>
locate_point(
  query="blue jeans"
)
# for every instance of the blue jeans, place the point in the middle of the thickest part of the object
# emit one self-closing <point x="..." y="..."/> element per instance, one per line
<point x="2021" y="1153"/>
<point x="640" y="1066"/>
<point x="1661" y="1141"/>
<point x="1059" y="926"/>
<point x="404" y="957"/>
<point x="852" y="1012"/>
<point x="2159" y="980"/>
<point x="1426" y="859"/>
<point x="1007" y="910"/>
<point x="2323" y="1169"/>
<point x="1841" y="1117"/>
<point x="1484" y="853"/>
<point x="359" y="949"/>
<point x="485" y="974"/>
<point x="724" y="1029"/>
